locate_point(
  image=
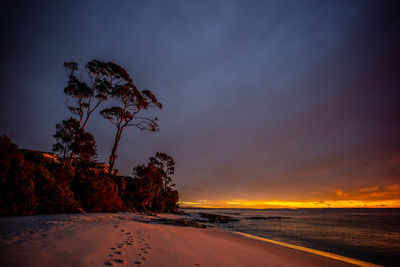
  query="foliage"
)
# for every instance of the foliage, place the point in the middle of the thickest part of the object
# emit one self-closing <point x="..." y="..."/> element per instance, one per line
<point x="102" y="81"/>
<point x="28" y="185"/>
<point x="87" y="94"/>
<point x="97" y="192"/>
<point x="132" y="101"/>
<point x="166" y="165"/>
<point x="73" y="140"/>
<point x="153" y="185"/>
<point x="32" y="184"/>
<point x="99" y="82"/>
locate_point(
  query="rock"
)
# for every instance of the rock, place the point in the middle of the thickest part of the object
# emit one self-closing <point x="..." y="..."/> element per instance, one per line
<point x="214" y="218"/>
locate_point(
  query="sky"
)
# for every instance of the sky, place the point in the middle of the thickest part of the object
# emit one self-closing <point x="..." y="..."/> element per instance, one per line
<point x="266" y="103"/>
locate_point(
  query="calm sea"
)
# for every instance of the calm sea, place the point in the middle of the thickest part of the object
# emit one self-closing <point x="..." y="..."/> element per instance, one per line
<point x="372" y="235"/>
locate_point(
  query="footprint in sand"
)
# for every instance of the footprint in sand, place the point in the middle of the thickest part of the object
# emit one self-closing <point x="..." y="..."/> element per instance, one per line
<point x="108" y="263"/>
<point x="119" y="261"/>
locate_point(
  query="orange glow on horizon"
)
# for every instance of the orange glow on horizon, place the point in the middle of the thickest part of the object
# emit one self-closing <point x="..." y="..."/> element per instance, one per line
<point x="378" y="196"/>
<point x="278" y="204"/>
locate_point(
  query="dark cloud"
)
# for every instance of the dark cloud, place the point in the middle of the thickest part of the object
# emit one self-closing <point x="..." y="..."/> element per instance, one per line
<point x="262" y="100"/>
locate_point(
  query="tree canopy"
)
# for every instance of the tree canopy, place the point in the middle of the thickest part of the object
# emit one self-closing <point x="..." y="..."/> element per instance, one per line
<point x="73" y="140"/>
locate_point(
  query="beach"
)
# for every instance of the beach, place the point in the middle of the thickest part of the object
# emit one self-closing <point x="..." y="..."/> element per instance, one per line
<point x="135" y="239"/>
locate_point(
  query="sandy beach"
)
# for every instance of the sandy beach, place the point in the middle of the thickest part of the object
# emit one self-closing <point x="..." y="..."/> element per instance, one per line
<point x="135" y="240"/>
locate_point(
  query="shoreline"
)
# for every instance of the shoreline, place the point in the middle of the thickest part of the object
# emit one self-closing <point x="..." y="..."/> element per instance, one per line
<point x="138" y="240"/>
<point x="311" y="250"/>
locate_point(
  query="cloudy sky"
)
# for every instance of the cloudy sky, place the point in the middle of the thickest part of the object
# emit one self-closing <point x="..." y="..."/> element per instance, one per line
<point x="263" y="100"/>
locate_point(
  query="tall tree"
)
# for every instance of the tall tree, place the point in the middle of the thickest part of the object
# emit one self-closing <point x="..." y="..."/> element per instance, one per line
<point x="132" y="103"/>
<point x="90" y="91"/>
<point x="87" y="92"/>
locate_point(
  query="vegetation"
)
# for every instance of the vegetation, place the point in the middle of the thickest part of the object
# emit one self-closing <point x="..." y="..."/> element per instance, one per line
<point x="72" y="141"/>
<point x="33" y="182"/>
<point x="103" y="80"/>
<point x="71" y="136"/>
<point x="132" y="102"/>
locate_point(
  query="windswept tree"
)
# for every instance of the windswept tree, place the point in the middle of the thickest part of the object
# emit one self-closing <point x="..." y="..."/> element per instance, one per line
<point x="73" y="141"/>
<point x="87" y="92"/>
<point x="132" y="103"/>
<point x="90" y="91"/>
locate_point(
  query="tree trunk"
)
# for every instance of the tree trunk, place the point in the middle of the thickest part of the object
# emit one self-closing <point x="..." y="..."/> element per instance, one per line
<point x="84" y="124"/>
<point x="114" y="150"/>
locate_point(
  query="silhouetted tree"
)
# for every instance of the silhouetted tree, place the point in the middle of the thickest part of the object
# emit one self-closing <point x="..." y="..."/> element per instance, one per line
<point x="165" y="164"/>
<point x="73" y="140"/>
<point x="149" y="186"/>
<point x="152" y="185"/>
<point x="132" y="102"/>
<point x="89" y="93"/>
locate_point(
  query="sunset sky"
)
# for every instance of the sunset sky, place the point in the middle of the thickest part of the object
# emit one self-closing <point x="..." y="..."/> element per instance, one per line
<point x="266" y="103"/>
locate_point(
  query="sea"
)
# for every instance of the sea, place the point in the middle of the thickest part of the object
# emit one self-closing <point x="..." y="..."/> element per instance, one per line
<point x="371" y="235"/>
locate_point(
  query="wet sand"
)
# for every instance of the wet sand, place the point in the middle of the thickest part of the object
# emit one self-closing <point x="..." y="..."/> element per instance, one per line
<point x="129" y="239"/>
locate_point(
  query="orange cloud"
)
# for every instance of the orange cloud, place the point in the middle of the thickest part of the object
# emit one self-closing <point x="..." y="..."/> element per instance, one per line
<point x="369" y="189"/>
<point x="395" y="187"/>
<point x="340" y="193"/>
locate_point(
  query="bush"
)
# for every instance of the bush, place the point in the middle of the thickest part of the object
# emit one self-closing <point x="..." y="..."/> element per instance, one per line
<point x="32" y="184"/>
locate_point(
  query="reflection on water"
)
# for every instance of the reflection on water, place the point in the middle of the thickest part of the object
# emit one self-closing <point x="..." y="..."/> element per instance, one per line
<point x="367" y="234"/>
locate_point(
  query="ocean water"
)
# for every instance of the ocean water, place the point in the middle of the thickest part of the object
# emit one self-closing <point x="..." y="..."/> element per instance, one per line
<point x="372" y="235"/>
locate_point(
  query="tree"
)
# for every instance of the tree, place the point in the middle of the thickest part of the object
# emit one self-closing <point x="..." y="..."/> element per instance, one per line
<point x="149" y="186"/>
<point x="100" y="82"/>
<point x="88" y="92"/>
<point x="153" y="185"/>
<point x="132" y="102"/>
<point x="165" y="164"/>
<point x="73" y="140"/>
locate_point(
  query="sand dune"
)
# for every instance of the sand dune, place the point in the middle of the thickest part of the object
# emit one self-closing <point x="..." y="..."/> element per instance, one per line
<point x="129" y="239"/>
